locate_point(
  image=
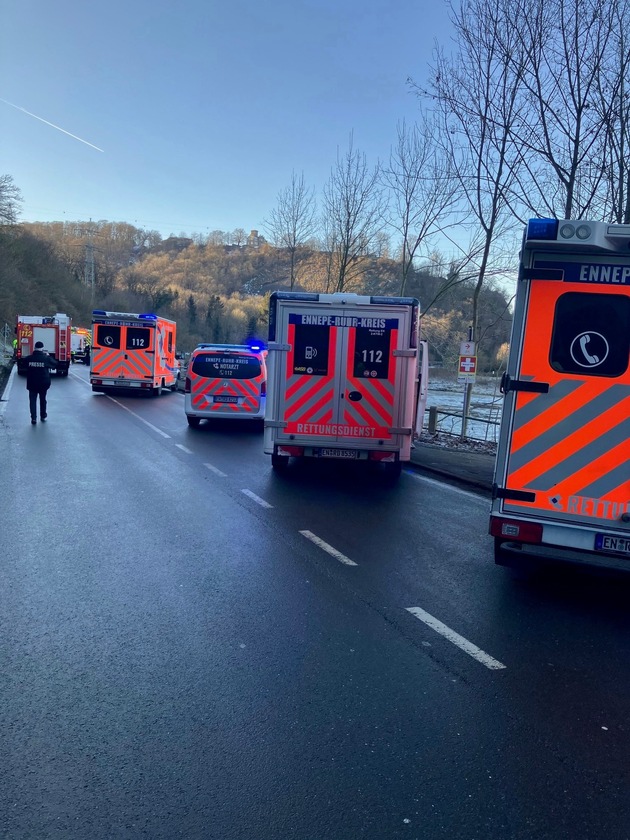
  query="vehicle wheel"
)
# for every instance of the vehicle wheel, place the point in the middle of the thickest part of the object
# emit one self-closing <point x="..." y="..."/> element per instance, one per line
<point x="501" y="556"/>
<point x="193" y="422"/>
<point x="279" y="462"/>
<point x="393" y="470"/>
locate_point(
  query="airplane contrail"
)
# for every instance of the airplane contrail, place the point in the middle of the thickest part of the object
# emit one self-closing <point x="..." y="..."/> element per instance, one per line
<point x="41" y="119"/>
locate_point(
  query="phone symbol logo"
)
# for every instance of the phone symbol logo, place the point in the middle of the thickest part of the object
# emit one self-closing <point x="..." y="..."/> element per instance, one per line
<point x="589" y="349"/>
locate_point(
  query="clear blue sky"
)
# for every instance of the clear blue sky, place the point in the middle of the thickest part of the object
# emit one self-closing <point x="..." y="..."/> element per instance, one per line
<point x="202" y="109"/>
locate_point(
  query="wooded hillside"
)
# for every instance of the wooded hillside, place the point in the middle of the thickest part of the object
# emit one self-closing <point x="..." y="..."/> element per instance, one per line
<point x="216" y="292"/>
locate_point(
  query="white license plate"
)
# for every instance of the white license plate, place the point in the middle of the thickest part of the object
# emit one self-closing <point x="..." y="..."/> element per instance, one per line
<point x="619" y="545"/>
<point x="338" y="453"/>
<point x="226" y="399"/>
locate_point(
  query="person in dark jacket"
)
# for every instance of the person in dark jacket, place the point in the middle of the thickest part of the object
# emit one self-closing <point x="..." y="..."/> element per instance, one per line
<point x="38" y="367"/>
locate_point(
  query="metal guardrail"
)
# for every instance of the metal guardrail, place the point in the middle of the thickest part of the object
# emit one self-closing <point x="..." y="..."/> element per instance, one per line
<point x="479" y="428"/>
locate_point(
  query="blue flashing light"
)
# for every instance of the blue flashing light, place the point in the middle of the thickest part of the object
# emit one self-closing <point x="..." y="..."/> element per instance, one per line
<point x="542" y="229"/>
<point x="147" y="316"/>
<point x="256" y="345"/>
<point x="99" y="312"/>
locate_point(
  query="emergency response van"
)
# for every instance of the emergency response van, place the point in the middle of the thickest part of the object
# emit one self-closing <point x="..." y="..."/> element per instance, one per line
<point x="53" y="331"/>
<point x="225" y="381"/>
<point x="347" y="377"/>
<point x="132" y="351"/>
<point x="562" y="477"/>
<point x="81" y="342"/>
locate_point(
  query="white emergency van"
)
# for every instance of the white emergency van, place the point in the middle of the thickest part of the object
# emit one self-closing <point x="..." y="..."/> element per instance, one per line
<point x="226" y="381"/>
<point x="347" y="378"/>
<point x="562" y="477"/>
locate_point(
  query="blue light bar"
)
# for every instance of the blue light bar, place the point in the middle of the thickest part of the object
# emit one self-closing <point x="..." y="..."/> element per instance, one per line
<point x="99" y="312"/>
<point x="542" y="229"/>
<point x="148" y="316"/>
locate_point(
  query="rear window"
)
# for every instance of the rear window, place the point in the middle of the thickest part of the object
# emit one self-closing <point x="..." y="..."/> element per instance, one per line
<point x="108" y="336"/>
<point x="591" y="334"/>
<point x="226" y="366"/>
<point x="138" y="338"/>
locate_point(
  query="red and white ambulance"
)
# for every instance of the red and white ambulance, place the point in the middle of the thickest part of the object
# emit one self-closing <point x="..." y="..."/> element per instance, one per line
<point x="346" y="378"/>
<point x="562" y="477"/>
<point x="132" y="351"/>
<point x="225" y="381"/>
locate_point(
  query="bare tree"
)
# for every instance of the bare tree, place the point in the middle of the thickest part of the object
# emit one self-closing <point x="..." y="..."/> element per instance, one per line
<point x="238" y="237"/>
<point x="423" y="191"/>
<point x="614" y="99"/>
<point x="10" y="201"/>
<point x="352" y="205"/>
<point x="293" y="221"/>
<point x="478" y="93"/>
<point x="560" y="57"/>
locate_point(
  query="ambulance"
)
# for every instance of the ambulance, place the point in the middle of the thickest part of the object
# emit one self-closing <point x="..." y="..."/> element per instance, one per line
<point x="132" y="352"/>
<point x="225" y="381"/>
<point x="81" y="341"/>
<point x="346" y="378"/>
<point x="562" y="476"/>
<point x="53" y="331"/>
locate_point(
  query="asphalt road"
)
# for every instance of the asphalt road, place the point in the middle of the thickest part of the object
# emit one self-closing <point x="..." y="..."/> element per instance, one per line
<point x="193" y="646"/>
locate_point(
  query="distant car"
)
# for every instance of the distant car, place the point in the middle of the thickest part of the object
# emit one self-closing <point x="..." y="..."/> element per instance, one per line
<point x="225" y="381"/>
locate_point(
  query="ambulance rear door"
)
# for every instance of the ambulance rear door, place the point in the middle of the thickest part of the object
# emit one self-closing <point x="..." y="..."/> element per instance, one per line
<point x="123" y="351"/>
<point x="342" y="379"/>
<point x="567" y="450"/>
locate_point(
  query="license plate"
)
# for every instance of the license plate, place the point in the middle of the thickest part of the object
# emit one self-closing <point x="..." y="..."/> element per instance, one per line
<point x="338" y="453"/>
<point x="226" y="399"/>
<point x="619" y="545"/>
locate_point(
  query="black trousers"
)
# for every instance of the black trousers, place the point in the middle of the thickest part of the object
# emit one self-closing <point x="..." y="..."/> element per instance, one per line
<point x="32" y="399"/>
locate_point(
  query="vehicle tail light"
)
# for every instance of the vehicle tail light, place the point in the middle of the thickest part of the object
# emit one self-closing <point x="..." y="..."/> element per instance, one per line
<point x="515" y="529"/>
<point x="294" y="451"/>
<point x="263" y="388"/>
<point x="187" y="385"/>
<point x="382" y="456"/>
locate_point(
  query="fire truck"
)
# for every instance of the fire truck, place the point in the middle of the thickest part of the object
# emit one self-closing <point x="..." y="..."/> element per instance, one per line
<point x="53" y="331"/>
<point x="562" y="475"/>
<point x="132" y="351"/>
<point x="346" y="378"/>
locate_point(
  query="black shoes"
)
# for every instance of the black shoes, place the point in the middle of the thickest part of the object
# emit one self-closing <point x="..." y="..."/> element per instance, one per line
<point x="44" y="416"/>
<point x="33" y="422"/>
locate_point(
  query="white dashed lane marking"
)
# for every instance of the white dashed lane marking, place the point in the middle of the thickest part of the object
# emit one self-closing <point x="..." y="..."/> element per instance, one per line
<point x="215" y="470"/>
<point x="141" y="419"/>
<point x="324" y="545"/>
<point x="456" y="639"/>
<point x="257" y="499"/>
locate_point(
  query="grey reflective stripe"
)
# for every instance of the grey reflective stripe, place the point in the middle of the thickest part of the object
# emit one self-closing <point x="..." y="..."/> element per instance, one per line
<point x="584" y="456"/>
<point x="381" y="414"/>
<point x="306" y="408"/>
<point x="607" y="483"/>
<point x="543" y="402"/>
<point x="561" y="430"/>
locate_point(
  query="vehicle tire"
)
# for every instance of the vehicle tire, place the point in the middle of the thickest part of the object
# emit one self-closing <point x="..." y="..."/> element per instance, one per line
<point x="193" y="422"/>
<point x="393" y="470"/>
<point x="279" y="462"/>
<point x="501" y="556"/>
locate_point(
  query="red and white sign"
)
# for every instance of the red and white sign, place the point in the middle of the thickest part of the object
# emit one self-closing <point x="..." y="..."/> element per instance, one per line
<point x="467" y="365"/>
